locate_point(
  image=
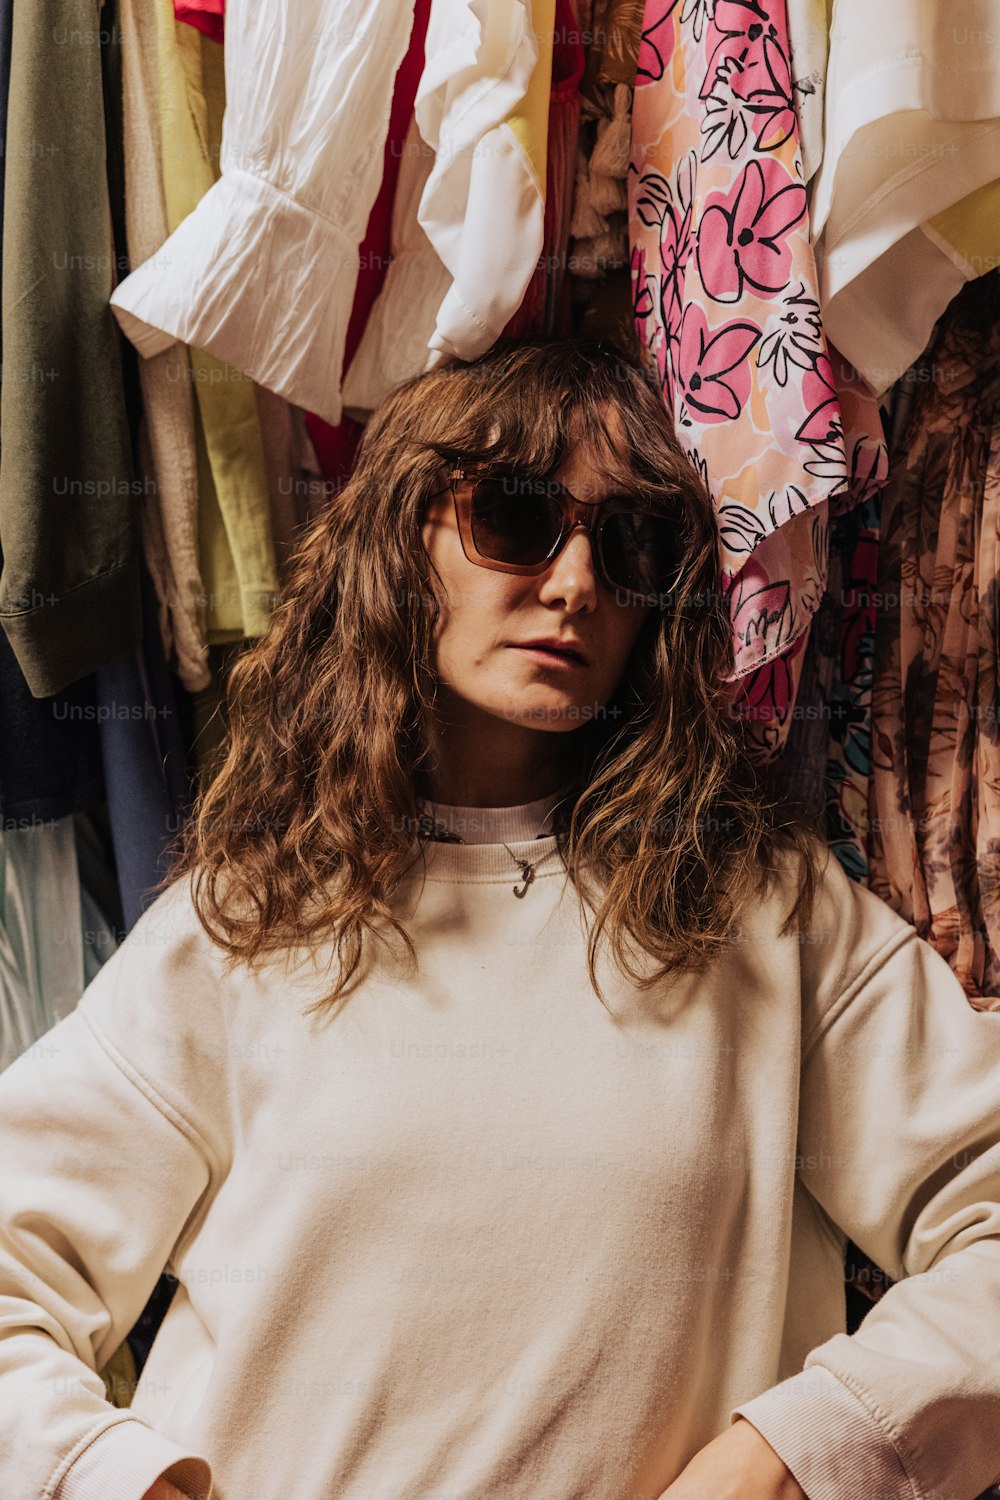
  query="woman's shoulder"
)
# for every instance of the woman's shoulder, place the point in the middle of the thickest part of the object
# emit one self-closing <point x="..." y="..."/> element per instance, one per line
<point x="160" y="1000"/>
<point x="843" y="930"/>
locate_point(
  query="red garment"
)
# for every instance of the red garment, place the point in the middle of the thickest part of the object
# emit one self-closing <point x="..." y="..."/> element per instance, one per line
<point x="543" y="307"/>
<point x="204" y="15"/>
<point x="336" y="446"/>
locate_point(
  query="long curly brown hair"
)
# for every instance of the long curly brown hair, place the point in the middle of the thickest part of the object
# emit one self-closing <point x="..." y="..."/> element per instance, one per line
<point x="309" y="824"/>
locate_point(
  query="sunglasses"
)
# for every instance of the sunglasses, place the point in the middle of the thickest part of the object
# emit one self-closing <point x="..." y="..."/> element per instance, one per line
<point x="518" y="524"/>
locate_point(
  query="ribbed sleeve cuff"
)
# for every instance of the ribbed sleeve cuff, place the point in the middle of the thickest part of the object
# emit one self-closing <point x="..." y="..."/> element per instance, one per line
<point x="256" y="279"/>
<point x="123" y="1460"/>
<point x="826" y="1436"/>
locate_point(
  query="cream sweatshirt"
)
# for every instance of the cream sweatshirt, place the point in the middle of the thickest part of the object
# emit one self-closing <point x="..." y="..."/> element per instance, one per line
<point x="477" y="1237"/>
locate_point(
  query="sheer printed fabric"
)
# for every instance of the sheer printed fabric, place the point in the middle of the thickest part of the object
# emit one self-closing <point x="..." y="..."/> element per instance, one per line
<point x="726" y="302"/>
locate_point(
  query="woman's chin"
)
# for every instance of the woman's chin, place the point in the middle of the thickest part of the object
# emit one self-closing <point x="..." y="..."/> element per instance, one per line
<point x="547" y="709"/>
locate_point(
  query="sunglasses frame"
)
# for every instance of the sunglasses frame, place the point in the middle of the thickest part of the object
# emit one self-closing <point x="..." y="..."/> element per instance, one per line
<point x="461" y="482"/>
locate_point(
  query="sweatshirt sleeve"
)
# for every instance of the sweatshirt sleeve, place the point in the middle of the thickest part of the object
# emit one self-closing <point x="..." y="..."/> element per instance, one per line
<point x="107" y="1164"/>
<point x="899" y="1143"/>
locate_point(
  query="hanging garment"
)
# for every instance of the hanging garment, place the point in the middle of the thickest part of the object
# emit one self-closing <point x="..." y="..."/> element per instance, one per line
<point x="400" y="329"/>
<point x="544" y="307"/>
<point x="53" y="935"/>
<point x="396" y="339"/>
<point x="260" y="274"/>
<point x="208" y="16"/>
<point x="236" y="549"/>
<point x="166" y="447"/>
<point x="336" y="446"/>
<point x="935" y="804"/>
<point x="599" y="227"/>
<point x="823" y="770"/>
<point x="808" y="53"/>
<point x="50" y="751"/>
<point x="288" y="463"/>
<point x="468" y="217"/>
<point x="145" y="763"/>
<point x="599" y="221"/>
<point x="6" y="25"/>
<point x="482" y="105"/>
<point x="726" y="301"/>
<point x="912" y="129"/>
<point x="69" y="592"/>
<point x="612" y="34"/>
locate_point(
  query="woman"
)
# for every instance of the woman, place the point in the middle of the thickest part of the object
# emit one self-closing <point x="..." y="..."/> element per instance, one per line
<point x="494" y="1073"/>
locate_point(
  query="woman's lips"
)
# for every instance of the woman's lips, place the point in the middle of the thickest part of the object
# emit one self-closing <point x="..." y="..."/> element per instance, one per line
<point x="548" y="658"/>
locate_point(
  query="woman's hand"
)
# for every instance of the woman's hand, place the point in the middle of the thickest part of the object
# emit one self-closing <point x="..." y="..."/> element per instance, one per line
<point x="162" y="1489"/>
<point x="739" y="1464"/>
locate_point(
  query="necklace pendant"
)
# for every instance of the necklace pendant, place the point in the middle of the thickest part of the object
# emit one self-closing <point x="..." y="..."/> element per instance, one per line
<point x="527" y="875"/>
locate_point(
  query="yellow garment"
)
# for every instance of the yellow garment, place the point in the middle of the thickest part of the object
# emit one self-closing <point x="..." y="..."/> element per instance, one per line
<point x="237" y="556"/>
<point x="120" y="1376"/>
<point x="221" y="612"/>
<point x="529" y="119"/>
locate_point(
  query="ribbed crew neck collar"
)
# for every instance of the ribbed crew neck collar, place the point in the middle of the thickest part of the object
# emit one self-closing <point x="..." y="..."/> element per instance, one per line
<point x="482" y="858"/>
<point x="494" y="825"/>
<point x="489" y="863"/>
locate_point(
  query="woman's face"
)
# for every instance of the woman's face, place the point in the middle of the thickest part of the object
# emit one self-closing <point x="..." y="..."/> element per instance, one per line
<point x="487" y="617"/>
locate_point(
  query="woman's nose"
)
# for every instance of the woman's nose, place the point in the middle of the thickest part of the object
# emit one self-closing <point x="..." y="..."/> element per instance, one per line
<point x="572" y="569"/>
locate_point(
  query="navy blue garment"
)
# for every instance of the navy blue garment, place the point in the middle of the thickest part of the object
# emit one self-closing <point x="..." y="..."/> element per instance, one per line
<point x="147" y="774"/>
<point x="50" y="748"/>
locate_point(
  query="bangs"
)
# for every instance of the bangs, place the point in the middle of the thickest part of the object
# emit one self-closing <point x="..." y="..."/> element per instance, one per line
<point x="525" y="406"/>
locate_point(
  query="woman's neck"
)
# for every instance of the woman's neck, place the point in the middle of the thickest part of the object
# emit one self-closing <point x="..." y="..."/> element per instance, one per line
<point x="480" y="760"/>
<point x="492" y="783"/>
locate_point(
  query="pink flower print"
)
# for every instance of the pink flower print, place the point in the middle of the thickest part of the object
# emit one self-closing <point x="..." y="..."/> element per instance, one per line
<point x="676" y="241"/>
<point x="767" y="694"/>
<point x="822" y="426"/>
<point x="642" y="296"/>
<point x="761" y="612"/>
<point x="742" y="238"/>
<point x="736" y="36"/>
<point x="668" y="207"/>
<point x="771" y="101"/>
<point x="656" y="45"/>
<point x="648" y="327"/>
<point x="712" y="372"/>
<point x="725" y="118"/>
<point x="740" y="528"/>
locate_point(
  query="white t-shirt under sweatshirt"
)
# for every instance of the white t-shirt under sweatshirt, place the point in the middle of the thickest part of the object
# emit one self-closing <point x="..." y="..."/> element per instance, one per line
<point x="478" y="1237"/>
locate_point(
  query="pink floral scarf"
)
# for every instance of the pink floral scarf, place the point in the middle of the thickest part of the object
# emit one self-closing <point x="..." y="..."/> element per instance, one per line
<point x="725" y="299"/>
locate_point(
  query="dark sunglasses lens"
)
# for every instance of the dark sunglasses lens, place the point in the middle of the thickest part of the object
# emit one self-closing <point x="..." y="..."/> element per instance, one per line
<point x="514" y="520"/>
<point x="640" y="552"/>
